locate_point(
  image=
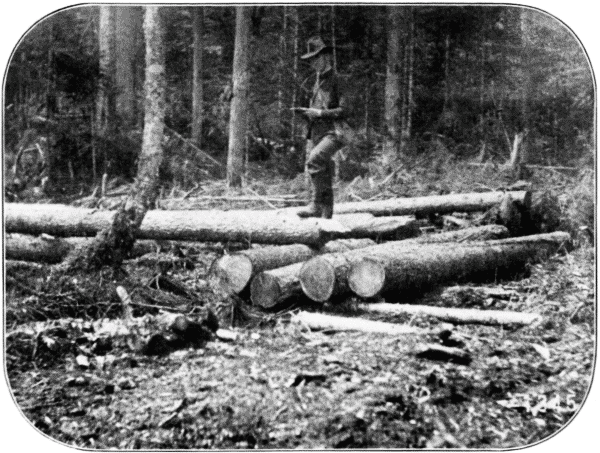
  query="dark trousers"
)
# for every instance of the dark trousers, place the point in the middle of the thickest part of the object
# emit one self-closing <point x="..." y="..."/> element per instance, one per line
<point x="320" y="167"/>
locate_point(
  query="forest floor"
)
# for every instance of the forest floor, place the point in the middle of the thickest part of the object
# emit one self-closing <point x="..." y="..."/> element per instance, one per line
<point x="80" y="379"/>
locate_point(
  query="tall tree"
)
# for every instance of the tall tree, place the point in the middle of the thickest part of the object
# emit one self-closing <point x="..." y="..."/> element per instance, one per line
<point x="128" y="21"/>
<point x="393" y="84"/>
<point x="105" y="97"/>
<point x="240" y="102"/>
<point x="408" y="85"/>
<point x="115" y="243"/>
<point x="198" y="68"/>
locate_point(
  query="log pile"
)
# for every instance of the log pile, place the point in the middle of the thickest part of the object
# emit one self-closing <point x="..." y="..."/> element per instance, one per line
<point x="369" y="249"/>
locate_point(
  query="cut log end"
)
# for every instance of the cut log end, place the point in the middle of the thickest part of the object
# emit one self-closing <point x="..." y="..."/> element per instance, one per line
<point x="232" y="272"/>
<point x="265" y="291"/>
<point x="317" y="278"/>
<point x="366" y="278"/>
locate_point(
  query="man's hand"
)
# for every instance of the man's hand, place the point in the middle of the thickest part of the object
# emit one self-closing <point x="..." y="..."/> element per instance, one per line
<point x="309" y="113"/>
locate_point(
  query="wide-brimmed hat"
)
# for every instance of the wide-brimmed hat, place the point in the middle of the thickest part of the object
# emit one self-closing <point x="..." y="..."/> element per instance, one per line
<point x="315" y="46"/>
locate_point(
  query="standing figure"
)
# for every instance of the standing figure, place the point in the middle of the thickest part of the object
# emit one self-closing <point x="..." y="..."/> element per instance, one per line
<point x="326" y="110"/>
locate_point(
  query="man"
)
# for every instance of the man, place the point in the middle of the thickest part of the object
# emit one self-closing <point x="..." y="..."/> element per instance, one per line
<point x="327" y="107"/>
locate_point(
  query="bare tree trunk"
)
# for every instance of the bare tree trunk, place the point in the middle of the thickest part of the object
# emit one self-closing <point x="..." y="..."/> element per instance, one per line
<point x="296" y="39"/>
<point x="128" y="21"/>
<point x="105" y="101"/>
<point x="238" y="120"/>
<point x="393" y="84"/>
<point x="197" y="85"/>
<point x="406" y="130"/>
<point x="114" y="244"/>
<point x="282" y="57"/>
<point x="527" y="82"/>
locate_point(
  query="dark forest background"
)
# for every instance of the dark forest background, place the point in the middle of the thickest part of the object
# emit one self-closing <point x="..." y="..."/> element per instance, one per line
<point x="465" y="82"/>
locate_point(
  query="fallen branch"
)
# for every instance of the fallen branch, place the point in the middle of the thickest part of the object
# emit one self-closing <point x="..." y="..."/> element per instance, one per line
<point x="318" y="321"/>
<point x="456" y="315"/>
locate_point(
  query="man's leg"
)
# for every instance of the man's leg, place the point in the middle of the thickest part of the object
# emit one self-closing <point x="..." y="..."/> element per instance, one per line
<point x="320" y="168"/>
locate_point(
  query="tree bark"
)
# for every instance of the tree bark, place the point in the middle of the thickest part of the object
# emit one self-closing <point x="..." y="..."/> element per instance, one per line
<point x="197" y="82"/>
<point x="319" y="321"/>
<point x="440" y="204"/>
<point x="327" y="276"/>
<point x="53" y="249"/>
<point x="399" y="272"/>
<point x="456" y="315"/>
<point x="240" y="102"/>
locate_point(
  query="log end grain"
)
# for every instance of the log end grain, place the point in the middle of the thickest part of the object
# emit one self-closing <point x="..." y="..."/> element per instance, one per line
<point x="317" y="279"/>
<point x="366" y="278"/>
<point x="265" y="290"/>
<point x="232" y="272"/>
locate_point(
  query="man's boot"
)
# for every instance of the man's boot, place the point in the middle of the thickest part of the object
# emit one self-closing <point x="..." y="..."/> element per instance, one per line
<point x="314" y="207"/>
<point x="326" y="202"/>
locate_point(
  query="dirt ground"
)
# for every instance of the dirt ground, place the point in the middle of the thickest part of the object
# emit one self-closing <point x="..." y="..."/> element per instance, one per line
<point x="78" y="373"/>
<point x="279" y="385"/>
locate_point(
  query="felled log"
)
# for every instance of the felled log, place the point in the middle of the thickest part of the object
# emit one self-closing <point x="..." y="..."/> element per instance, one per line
<point x="319" y="321"/>
<point x="326" y="276"/>
<point x="397" y="271"/>
<point x="234" y="272"/>
<point x="204" y="226"/>
<point x="379" y="228"/>
<point x="16" y="265"/>
<point x="50" y="249"/>
<point x="456" y="315"/>
<point x="436" y="204"/>
<point x="272" y="288"/>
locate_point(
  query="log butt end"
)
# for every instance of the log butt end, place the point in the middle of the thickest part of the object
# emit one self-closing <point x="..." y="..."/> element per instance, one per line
<point x="265" y="291"/>
<point x="317" y="279"/>
<point x="366" y="278"/>
<point x="232" y="273"/>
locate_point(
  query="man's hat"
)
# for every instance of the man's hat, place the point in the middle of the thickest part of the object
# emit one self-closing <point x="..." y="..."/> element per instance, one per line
<point x="315" y="46"/>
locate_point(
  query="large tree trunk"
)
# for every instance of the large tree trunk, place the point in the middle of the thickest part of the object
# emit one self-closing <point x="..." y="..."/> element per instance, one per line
<point x="272" y="288"/>
<point x="128" y="22"/>
<point x="48" y="249"/>
<point x="328" y="276"/>
<point x="204" y="226"/>
<point x="400" y="272"/>
<point x="233" y="272"/>
<point x="456" y="315"/>
<point x="114" y="242"/>
<point x="197" y="84"/>
<point x="440" y="204"/>
<point x="266" y="227"/>
<point x="240" y="103"/>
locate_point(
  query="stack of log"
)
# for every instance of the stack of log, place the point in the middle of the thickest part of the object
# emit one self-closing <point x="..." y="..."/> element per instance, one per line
<point x="369" y="249"/>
